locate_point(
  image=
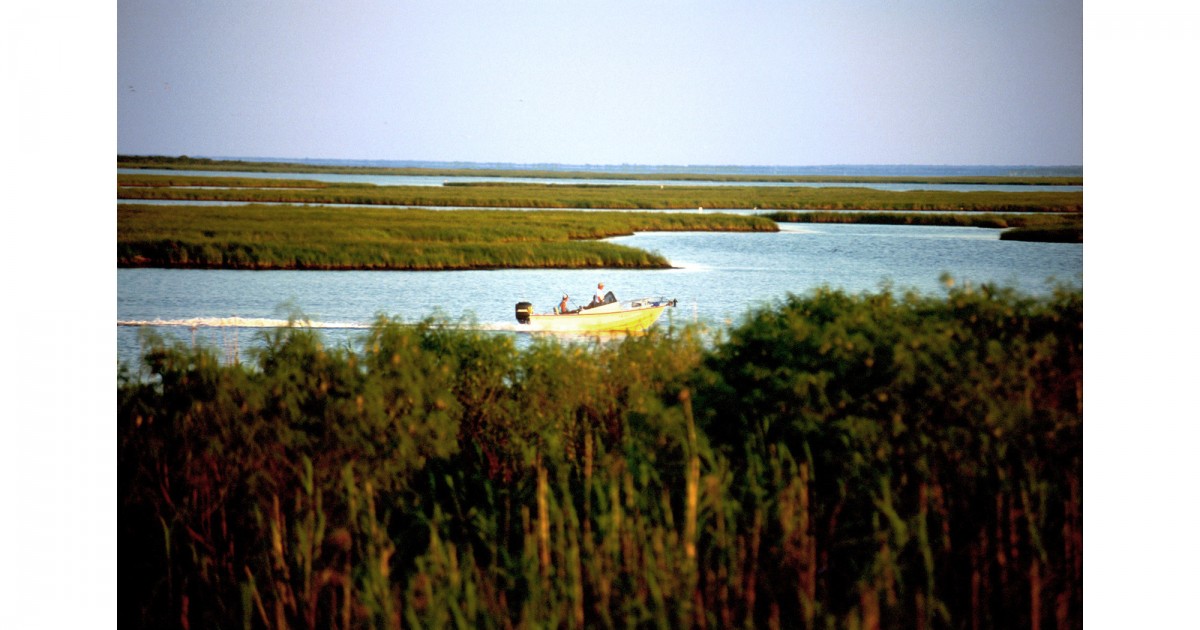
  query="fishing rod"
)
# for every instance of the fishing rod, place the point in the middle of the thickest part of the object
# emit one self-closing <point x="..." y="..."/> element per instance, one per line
<point x="568" y="297"/>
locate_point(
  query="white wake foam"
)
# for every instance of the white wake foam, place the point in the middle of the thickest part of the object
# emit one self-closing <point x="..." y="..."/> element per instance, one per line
<point x="262" y="322"/>
<point x="239" y="322"/>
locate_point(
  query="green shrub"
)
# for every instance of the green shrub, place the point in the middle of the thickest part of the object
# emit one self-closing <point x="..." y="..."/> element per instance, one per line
<point x="833" y="460"/>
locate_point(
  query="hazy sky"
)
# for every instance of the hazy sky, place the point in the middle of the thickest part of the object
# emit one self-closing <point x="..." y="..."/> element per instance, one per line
<point x="787" y="83"/>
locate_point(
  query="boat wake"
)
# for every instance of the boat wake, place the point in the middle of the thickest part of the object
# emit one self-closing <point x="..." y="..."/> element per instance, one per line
<point x="677" y="265"/>
<point x="262" y="322"/>
<point x="241" y="322"/>
<point x="497" y="326"/>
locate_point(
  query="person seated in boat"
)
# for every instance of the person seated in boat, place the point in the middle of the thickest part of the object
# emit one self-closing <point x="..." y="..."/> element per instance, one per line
<point x="562" y="306"/>
<point x="598" y="299"/>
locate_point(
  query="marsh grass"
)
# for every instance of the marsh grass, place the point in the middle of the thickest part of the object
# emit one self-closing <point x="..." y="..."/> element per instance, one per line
<point x="186" y="163"/>
<point x="282" y="237"/>
<point x="184" y="181"/>
<point x="592" y="196"/>
<point x="835" y="460"/>
<point x="985" y="220"/>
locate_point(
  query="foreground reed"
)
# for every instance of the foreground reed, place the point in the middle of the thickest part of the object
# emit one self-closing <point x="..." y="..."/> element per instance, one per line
<point x="836" y="461"/>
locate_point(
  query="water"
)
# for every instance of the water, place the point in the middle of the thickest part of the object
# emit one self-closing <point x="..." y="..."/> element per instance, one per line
<point x="718" y="277"/>
<point x="427" y="180"/>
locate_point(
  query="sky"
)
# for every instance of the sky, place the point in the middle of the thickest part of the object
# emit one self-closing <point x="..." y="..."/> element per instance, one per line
<point x="615" y="82"/>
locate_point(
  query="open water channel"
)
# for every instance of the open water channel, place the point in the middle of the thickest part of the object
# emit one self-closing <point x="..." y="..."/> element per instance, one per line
<point x="718" y="277"/>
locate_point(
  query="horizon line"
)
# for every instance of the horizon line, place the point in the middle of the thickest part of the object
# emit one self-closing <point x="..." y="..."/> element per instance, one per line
<point x="592" y="165"/>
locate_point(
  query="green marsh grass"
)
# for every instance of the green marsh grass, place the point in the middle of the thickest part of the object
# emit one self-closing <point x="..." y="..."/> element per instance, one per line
<point x="833" y="460"/>
<point x="985" y="220"/>
<point x="596" y="196"/>
<point x="283" y="237"/>
<point x="186" y="181"/>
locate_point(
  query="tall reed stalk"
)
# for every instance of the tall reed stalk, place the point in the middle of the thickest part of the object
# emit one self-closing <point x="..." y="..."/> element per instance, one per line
<point x="833" y="460"/>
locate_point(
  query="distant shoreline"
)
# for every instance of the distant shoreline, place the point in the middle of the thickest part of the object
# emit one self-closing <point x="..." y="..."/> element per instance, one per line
<point x="891" y="174"/>
<point x="499" y="194"/>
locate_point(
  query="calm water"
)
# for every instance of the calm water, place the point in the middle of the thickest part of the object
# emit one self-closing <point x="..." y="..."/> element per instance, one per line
<point x="420" y="180"/>
<point x="719" y="276"/>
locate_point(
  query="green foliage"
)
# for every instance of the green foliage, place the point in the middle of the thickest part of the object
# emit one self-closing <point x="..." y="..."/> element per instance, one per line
<point x="273" y="237"/>
<point x="984" y="220"/>
<point x="916" y="417"/>
<point x="593" y="196"/>
<point x="837" y="460"/>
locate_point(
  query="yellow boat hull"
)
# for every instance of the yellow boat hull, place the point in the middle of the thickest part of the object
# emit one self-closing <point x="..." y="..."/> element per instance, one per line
<point x="600" y="319"/>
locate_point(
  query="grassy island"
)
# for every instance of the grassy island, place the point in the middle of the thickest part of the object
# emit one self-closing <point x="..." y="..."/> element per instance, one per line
<point x="848" y="461"/>
<point x="590" y="196"/>
<point x="280" y="233"/>
<point x="954" y="219"/>
<point x="299" y="237"/>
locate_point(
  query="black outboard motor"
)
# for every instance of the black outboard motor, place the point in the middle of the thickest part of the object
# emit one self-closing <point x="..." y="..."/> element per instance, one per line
<point x="524" y="310"/>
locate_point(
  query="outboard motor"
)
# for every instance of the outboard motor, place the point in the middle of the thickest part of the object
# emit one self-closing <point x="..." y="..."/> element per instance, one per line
<point x="524" y="310"/>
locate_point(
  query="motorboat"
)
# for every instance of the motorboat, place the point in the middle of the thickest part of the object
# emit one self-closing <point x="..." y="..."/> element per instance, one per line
<point x="610" y="315"/>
